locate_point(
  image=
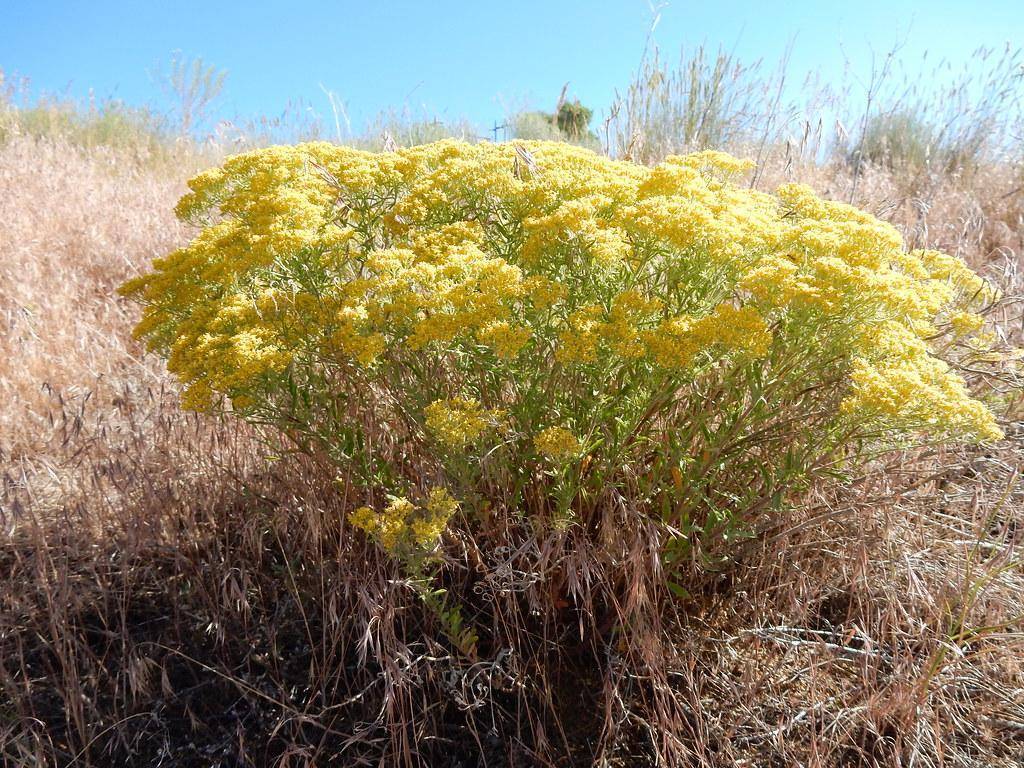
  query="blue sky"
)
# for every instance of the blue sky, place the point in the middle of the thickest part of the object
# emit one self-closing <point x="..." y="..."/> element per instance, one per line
<point x="470" y="60"/>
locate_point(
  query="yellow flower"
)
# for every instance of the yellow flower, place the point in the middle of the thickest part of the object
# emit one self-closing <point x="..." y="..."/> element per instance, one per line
<point x="441" y="505"/>
<point x="504" y="338"/>
<point x="363" y="518"/>
<point x="578" y="342"/>
<point x="965" y="323"/>
<point x="737" y="328"/>
<point x="402" y="525"/>
<point x="673" y="344"/>
<point x="544" y="293"/>
<point x="904" y="384"/>
<point x="456" y="422"/>
<point x="557" y="443"/>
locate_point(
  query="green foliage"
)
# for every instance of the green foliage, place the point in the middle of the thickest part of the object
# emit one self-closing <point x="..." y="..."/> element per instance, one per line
<point x="573" y="119"/>
<point x="108" y="123"/>
<point x="463" y="637"/>
<point x="901" y="141"/>
<point x="570" y="123"/>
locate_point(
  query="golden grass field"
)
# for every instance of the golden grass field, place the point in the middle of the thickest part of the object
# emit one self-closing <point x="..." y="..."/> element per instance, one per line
<point x="168" y="597"/>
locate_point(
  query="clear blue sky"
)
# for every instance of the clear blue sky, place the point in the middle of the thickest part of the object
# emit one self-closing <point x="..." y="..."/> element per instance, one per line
<point x="457" y="60"/>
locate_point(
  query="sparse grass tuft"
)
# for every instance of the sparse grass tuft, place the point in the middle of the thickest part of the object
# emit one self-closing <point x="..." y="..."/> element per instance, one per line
<point x="706" y="100"/>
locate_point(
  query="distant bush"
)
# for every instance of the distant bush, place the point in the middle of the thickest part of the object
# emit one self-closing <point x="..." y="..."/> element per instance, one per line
<point x="110" y="124"/>
<point x="947" y="123"/>
<point x="537" y="330"/>
<point x="535" y="126"/>
<point x="900" y="141"/>
<point x="91" y="123"/>
<point x="570" y="122"/>
<point x="911" y="146"/>
<point x="573" y="119"/>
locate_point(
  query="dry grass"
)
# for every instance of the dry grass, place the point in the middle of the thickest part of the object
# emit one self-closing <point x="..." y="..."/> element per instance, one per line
<point x="169" y="597"/>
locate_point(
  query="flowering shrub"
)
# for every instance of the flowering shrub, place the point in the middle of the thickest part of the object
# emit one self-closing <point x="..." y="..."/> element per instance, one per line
<point x="538" y="329"/>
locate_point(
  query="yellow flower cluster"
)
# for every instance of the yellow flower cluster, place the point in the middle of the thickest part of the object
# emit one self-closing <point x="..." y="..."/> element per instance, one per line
<point x="457" y="422"/>
<point x="677" y="340"/>
<point x="557" y="443"/>
<point x="402" y="526"/>
<point x="352" y="287"/>
<point x="965" y="323"/>
<point x="912" y="386"/>
<point x="504" y="338"/>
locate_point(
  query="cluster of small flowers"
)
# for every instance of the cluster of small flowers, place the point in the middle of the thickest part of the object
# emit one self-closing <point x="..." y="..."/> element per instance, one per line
<point x="402" y="526"/>
<point x="457" y="422"/>
<point x="557" y="443"/>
